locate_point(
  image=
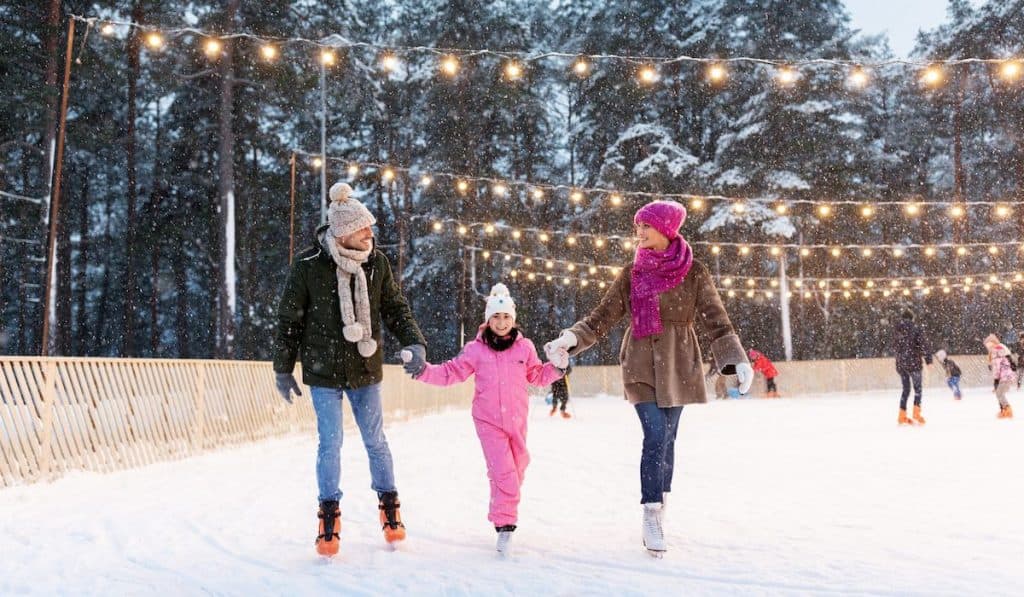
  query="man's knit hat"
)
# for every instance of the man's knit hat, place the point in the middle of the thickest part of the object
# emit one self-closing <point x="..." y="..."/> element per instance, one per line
<point x="664" y="216"/>
<point x="499" y="302"/>
<point x="346" y="215"/>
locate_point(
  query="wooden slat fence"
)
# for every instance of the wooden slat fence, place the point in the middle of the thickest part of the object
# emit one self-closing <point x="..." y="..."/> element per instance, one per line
<point x="67" y="414"/>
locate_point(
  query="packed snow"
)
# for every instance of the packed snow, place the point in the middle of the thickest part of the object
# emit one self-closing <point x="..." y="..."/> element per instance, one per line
<point x="809" y="496"/>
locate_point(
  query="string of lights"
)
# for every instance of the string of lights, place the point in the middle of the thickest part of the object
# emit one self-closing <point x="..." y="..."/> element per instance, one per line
<point x="515" y="63"/>
<point x="966" y="287"/>
<point x="627" y="243"/>
<point x="572" y="267"/>
<point x="503" y="188"/>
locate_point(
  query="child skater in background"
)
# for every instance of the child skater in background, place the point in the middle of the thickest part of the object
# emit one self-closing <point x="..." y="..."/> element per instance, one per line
<point x="560" y="394"/>
<point x="767" y="368"/>
<point x="504" y="362"/>
<point x="952" y="373"/>
<point x="1003" y="376"/>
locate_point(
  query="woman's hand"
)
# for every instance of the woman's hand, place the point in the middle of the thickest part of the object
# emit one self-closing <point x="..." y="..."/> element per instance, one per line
<point x="566" y="341"/>
<point x="745" y="376"/>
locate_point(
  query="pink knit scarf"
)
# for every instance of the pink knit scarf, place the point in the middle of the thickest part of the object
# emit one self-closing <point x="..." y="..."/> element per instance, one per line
<point x="655" y="272"/>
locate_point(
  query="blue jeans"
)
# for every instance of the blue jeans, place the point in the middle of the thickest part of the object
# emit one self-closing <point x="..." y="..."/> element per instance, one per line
<point x="366" y="407"/>
<point x="954" y="384"/>
<point x="658" y="457"/>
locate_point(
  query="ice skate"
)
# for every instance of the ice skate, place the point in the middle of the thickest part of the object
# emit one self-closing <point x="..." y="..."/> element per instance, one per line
<point x="504" y="536"/>
<point x="391" y="517"/>
<point x="327" y="543"/>
<point x="917" y="415"/>
<point x="904" y="419"/>
<point x="654" y="536"/>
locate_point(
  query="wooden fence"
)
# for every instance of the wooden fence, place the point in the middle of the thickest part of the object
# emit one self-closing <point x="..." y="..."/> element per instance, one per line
<point x="67" y="414"/>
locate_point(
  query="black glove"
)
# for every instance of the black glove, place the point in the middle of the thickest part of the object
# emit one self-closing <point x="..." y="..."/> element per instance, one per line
<point x="417" y="361"/>
<point x="286" y="385"/>
<point x="995" y="385"/>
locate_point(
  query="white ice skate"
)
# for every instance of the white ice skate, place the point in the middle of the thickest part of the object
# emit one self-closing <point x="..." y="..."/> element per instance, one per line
<point x="504" y="536"/>
<point x="654" y="536"/>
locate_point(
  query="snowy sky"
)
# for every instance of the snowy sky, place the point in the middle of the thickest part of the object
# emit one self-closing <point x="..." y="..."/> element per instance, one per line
<point x="901" y="19"/>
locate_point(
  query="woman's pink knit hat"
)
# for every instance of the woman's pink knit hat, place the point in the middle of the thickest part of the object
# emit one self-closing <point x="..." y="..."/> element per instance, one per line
<point x="664" y="216"/>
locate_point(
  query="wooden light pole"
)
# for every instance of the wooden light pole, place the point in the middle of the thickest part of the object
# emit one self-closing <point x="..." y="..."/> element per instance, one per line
<point x="51" y="251"/>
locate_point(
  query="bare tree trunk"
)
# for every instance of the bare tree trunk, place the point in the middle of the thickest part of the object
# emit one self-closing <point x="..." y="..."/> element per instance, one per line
<point x="227" y="297"/>
<point x="181" y="318"/>
<point x="62" y="331"/>
<point x="51" y="49"/>
<point x="102" y="305"/>
<point x="81" y="344"/>
<point x="127" y="327"/>
<point x="156" y="196"/>
<point x="959" y="176"/>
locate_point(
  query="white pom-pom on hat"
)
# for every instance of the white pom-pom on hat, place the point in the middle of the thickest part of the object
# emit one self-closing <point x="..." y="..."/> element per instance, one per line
<point x="499" y="289"/>
<point x="340" y="192"/>
<point x="500" y="301"/>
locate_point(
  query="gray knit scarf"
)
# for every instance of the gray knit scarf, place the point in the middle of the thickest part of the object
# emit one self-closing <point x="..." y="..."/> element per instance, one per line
<point x="355" y="315"/>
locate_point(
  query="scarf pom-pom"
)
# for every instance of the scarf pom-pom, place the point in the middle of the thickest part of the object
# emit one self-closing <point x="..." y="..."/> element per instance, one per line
<point x="353" y="332"/>
<point x="367" y="348"/>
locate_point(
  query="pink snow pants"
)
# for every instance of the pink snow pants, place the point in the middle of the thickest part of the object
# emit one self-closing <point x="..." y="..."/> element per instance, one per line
<point x="507" y="457"/>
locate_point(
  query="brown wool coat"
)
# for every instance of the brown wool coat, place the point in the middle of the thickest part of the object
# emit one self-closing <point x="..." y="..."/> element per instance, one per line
<point x="666" y="367"/>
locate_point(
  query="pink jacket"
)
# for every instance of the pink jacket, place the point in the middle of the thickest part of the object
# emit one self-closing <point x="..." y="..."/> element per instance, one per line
<point x="500" y="396"/>
<point x="1001" y="369"/>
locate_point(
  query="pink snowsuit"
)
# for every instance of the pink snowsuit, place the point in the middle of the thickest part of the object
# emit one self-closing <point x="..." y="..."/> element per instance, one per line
<point x="500" y="407"/>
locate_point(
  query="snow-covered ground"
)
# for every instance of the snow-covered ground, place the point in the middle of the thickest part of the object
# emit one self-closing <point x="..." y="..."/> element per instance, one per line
<point x="794" y="496"/>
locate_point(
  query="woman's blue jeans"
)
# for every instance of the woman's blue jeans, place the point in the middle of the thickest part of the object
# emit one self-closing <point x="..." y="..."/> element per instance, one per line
<point x="658" y="457"/>
<point x="366" y="407"/>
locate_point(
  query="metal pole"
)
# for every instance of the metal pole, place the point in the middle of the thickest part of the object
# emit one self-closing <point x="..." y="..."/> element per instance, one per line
<point x="291" y="222"/>
<point x="50" y="319"/>
<point x="787" y="330"/>
<point x="323" y="142"/>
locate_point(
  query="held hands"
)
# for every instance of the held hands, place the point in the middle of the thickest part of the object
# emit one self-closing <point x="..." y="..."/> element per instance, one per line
<point x="286" y="385"/>
<point x="557" y="351"/>
<point x="414" y="359"/>
<point x="745" y="376"/>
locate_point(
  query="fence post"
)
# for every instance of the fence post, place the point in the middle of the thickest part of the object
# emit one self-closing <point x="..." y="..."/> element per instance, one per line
<point x="48" y="398"/>
<point x="198" y="441"/>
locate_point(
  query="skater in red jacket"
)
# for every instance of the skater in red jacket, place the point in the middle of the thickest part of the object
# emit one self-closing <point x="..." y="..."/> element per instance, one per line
<point x="762" y="365"/>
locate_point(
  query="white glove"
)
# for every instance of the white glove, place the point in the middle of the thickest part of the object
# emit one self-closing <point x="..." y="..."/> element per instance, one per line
<point x="745" y="376"/>
<point x="564" y="342"/>
<point x="559" y="358"/>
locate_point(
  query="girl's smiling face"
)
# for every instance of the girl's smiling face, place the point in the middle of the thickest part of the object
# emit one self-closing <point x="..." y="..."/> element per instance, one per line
<point x="501" y="324"/>
<point x="648" y="237"/>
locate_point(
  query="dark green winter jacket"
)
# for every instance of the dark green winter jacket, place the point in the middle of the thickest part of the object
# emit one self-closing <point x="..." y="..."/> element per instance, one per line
<point x="309" y="321"/>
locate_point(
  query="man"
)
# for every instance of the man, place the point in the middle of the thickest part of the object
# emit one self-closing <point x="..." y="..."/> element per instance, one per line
<point x="337" y="293"/>
<point x="908" y="346"/>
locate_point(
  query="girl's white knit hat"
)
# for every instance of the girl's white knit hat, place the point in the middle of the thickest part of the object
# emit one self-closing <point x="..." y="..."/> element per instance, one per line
<point x="500" y="301"/>
<point x="346" y="215"/>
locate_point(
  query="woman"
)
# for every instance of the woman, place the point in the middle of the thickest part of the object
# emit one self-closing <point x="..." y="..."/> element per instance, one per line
<point x="664" y="291"/>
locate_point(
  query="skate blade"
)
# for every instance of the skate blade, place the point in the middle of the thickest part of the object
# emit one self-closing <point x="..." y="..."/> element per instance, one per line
<point x="656" y="554"/>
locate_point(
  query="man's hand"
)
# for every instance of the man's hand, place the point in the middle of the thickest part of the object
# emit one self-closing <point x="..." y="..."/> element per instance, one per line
<point x="414" y="359"/>
<point x="286" y="385"/>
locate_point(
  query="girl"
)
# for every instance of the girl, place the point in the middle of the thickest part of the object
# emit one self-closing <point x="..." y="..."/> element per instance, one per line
<point x="1003" y="376"/>
<point x="664" y="292"/>
<point x="504" y="362"/>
